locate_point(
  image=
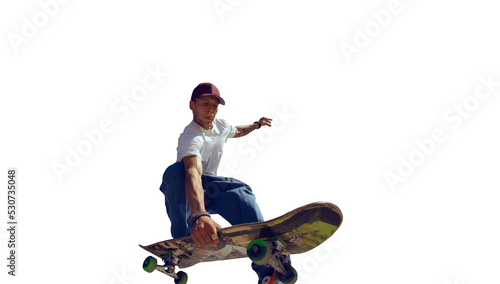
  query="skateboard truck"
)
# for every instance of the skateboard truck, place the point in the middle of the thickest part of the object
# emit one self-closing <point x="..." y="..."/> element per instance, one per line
<point x="171" y="261"/>
<point x="269" y="253"/>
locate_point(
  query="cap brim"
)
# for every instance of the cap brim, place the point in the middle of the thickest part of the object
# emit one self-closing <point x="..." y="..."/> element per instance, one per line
<point x="221" y="100"/>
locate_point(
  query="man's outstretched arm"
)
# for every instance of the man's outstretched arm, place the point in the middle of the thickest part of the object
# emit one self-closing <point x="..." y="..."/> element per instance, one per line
<point x="204" y="227"/>
<point x="245" y="129"/>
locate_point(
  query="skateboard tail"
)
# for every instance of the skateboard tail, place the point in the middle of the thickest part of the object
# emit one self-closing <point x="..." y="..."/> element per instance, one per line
<point x="319" y="233"/>
<point x="306" y="227"/>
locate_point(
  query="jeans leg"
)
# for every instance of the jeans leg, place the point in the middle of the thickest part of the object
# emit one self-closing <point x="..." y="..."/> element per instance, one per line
<point x="232" y="199"/>
<point x="173" y="186"/>
<point x="235" y="202"/>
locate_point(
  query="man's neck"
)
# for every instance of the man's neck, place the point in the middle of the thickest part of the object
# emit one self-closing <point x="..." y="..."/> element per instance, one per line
<point x="209" y="126"/>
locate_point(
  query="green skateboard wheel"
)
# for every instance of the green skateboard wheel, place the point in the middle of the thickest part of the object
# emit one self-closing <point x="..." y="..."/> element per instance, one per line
<point x="183" y="278"/>
<point x="290" y="277"/>
<point x="149" y="264"/>
<point x="259" y="252"/>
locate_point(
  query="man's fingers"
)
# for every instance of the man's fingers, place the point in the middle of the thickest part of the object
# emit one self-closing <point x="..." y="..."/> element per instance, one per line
<point x="211" y="236"/>
<point x="215" y="239"/>
<point x="203" y="238"/>
<point x="204" y="232"/>
<point x="196" y="240"/>
<point x="265" y="121"/>
<point x="200" y="240"/>
<point x="214" y="236"/>
<point x="206" y="240"/>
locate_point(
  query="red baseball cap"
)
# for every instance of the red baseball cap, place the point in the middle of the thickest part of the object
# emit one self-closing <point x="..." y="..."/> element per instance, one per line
<point x="205" y="90"/>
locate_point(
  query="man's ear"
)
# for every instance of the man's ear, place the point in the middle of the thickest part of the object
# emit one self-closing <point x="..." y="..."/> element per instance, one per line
<point x="191" y="105"/>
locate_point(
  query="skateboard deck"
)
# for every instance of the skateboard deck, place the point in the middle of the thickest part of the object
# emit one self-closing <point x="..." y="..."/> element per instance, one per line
<point x="296" y="232"/>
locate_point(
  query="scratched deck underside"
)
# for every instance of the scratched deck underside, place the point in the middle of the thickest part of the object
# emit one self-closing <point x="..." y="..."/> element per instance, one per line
<point x="301" y="229"/>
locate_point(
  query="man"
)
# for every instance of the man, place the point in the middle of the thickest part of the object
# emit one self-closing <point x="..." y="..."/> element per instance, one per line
<point x="191" y="186"/>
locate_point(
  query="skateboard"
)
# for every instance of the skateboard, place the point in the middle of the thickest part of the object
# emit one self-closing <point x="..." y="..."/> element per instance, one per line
<point x="265" y="243"/>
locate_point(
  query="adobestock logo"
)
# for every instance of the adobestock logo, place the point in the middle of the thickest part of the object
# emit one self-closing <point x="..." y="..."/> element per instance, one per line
<point x="222" y="7"/>
<point x="31" y="27"/>
<point x="120" y="277"/>
<point x="364" y="35"/>
<point x="448" y="281"/>
<point x="316" y="259"/>
<point x="454" y="117"/>
<point x="122" y="107"/>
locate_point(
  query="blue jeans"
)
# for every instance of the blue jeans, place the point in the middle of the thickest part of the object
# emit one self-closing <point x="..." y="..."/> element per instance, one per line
<point x="228" y="197"/>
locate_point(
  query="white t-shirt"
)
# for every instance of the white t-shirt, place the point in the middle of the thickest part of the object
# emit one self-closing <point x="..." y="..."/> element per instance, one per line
<point x="207" y="145"/>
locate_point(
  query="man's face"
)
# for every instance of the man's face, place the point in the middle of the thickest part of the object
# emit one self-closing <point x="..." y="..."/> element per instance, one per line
<point x="204" y="111"/>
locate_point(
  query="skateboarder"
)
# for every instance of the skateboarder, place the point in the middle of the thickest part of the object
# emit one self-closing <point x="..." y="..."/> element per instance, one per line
<point x="191" y="186"/>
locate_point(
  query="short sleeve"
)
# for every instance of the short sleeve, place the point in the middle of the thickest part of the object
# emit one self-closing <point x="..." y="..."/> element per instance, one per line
<point x="189" y="145"/>
<point x="230" y="130"/>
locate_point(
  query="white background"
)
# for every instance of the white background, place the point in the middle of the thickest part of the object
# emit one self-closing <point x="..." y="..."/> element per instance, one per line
<point x="342" y="122"/>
